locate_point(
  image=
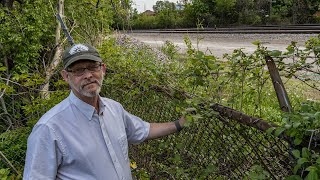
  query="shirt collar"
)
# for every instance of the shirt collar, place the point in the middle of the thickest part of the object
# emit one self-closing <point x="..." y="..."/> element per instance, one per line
<point x="86" y="109"/>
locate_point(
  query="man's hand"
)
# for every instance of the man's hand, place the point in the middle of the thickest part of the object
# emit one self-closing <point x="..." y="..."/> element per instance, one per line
<point x="182" y="121"/>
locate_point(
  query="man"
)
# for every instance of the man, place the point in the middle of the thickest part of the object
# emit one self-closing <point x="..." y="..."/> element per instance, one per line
<point x="85" y="137"/>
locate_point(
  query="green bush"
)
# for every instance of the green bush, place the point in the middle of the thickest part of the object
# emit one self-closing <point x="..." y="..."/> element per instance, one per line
<point x="144" y="22"/>
<point x="249" y="17"/>
<point x="13" y="144"/>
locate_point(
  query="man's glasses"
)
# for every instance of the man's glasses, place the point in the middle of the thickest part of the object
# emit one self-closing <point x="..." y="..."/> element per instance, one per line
<point x="81" y="71"/>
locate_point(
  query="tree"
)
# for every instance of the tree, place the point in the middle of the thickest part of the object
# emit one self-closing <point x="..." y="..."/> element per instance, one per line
<point x="9" y="3"/>
<point x="198" y="12"/>
<point x="30" y="49"/>
<point x="250" y="11"/>
<point x="225" y="9"/>
<point x="122" y="10"/>
<point x="165" y="13"/>
<point x="164" y="6"/>
<point x="25" y="34"/>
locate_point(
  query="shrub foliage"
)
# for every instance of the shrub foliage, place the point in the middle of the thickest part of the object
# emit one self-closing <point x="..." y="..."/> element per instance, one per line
<point x="157" y="85"/>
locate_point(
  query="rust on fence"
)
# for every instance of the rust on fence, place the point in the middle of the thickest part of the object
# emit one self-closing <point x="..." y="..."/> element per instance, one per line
<point x="228" y="144"/>
<point x="242" y="118"/>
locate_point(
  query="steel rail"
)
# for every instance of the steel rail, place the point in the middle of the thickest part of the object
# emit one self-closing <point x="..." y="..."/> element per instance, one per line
<point x="288" y="29"/>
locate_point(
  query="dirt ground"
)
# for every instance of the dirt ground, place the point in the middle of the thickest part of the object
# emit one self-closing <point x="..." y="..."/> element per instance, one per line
<point x="219" y="44"/>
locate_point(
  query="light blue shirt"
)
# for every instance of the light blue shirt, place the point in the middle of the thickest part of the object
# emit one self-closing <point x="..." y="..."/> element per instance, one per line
<point x="73" y="141"/>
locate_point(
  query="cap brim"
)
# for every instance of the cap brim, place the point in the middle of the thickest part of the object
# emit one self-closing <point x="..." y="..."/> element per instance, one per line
<point x="82" y="57"/>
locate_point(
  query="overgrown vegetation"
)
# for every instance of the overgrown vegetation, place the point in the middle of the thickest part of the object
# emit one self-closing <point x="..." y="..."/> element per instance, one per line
<point x="219" y="13"/>
<point x="158" y="86"/>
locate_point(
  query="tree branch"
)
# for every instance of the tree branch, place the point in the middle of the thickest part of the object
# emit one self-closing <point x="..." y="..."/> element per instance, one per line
<point x="3" y="104"/>
<point x="8" y="162"/>
<point x="57" y="56"/>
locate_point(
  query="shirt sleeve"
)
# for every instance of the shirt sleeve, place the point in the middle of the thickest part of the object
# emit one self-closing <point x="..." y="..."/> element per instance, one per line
<point x="43" y="154"/>
<point x="137" y="130"/>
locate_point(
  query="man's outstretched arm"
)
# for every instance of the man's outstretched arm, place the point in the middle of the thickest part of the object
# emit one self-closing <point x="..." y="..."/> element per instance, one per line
<point x="162" y="129"/>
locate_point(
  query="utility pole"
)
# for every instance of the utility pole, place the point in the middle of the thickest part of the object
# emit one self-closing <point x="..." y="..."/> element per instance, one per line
<point x="294" y="11"/>
<point x="270" y="8"/>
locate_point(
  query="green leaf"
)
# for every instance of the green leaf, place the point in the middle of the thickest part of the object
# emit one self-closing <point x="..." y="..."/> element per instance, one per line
<point x="296" y="153"/>
<point x="178" y="109"/>
<point x="302" y="161"/>
<point x="317" y="48"/>
<point x="297" y="141"/>
<point x="196" y="117"/>
<point x="270" y="130"/>
<point x="305" y="153"/>
<point x="279" y="131"/>
<point x="288" y="126"/>
<point x="312" y="175"/>
<point x="296" y="124"/>
<point x="305" y="107"/>
<point x="318" y="161"/>
<point x="3" y="68"/>
<point x="292" y="133"/>
<point x="317" y="115"/>
<point x="191" y="110"/>
<point x="210" y="168"/>
<point x="275" y="53"/>
<point x="177" y="158"/>
<point x="312" y="168"/>
<point x="293" y="177"/>
<point x="296" y="168"/>
<point x="257" y="43"/>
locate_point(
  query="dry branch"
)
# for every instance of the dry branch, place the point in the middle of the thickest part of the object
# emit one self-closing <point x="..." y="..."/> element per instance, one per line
<point x="4" y="107"/>
<point x="5" y="159"/>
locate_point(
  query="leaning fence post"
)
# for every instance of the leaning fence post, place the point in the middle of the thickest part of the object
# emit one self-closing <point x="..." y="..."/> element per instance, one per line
<point x="282" y="95"/>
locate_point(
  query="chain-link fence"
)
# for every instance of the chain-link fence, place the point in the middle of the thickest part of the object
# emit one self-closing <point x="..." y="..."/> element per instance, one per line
<point x="219" y="143"/>
<point x="214" y="146"/>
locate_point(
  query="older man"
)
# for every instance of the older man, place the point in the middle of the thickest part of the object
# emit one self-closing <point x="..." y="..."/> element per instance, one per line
<point x="85" y="137"/>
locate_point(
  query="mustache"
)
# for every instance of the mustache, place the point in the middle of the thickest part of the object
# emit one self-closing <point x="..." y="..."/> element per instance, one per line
<point x="84" y="83"/>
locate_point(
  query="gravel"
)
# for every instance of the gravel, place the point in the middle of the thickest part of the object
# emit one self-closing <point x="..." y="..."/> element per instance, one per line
<point x="219" y="44"/>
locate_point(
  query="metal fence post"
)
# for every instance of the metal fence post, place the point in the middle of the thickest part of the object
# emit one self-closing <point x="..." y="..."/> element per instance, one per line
<point x="282" y="95"/>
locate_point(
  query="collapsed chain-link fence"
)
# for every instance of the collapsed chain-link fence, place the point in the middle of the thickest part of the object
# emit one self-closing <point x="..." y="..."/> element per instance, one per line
<point x="220" y="144"/>
<point x="214" y="146"/>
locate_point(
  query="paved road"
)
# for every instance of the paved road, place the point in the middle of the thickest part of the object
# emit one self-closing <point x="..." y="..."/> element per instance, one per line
<point x="219" y="44"/>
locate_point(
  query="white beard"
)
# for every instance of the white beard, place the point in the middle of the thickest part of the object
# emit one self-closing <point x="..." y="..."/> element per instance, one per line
<point x="83" y="92"/>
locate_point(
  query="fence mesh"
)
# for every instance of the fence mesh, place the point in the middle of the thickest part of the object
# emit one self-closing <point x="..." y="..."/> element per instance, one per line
<point x="215" y="146"/>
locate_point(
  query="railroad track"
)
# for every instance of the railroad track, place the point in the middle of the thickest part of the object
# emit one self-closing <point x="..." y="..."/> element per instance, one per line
<point x="288" y="29"/>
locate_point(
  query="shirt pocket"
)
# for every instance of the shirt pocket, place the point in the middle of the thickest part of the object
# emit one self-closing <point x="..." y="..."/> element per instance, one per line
<point x="124" y="146"/>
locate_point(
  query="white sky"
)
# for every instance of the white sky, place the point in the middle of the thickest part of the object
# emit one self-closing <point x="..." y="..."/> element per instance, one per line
<point x="143" y="5"/>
